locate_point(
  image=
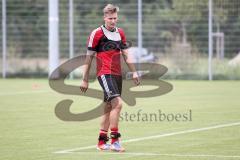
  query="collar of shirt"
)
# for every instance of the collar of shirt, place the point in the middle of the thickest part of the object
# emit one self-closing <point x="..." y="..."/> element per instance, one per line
<point x="113" y="30"/>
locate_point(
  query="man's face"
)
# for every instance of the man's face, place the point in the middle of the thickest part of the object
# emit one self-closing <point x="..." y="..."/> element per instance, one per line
<point x="111" y="20"/>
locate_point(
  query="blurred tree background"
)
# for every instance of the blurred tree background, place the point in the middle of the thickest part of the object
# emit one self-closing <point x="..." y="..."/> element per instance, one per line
<point x="165" y="22"/>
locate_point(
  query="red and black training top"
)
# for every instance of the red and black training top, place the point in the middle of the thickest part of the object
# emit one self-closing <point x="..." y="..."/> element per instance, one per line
<point x="107" y="46"/>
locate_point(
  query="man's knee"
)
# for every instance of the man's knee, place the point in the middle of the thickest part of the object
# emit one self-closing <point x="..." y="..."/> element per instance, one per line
<point x="107" y="109"/>
<point x="116" y="102"/>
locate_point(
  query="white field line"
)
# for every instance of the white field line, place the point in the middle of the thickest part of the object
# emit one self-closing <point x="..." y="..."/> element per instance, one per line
<point x="156" y="136"/>
<point x="157" y="154"/>
<point x="23" y="92"/>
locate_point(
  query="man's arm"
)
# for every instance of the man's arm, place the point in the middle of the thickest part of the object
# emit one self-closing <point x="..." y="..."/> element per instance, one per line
<point x="86" y="69"/>
<point x="129" y="61"/>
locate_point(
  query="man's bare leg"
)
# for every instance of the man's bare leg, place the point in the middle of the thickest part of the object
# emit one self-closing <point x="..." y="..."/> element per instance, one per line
<point x="104" y="126"/>
<point x="116" y="104"/>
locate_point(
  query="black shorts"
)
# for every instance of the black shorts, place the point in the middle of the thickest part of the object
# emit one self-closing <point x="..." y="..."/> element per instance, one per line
<point x="111" y="85"/>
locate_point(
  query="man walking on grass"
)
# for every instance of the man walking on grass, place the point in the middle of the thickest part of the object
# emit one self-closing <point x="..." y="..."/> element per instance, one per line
<point x="108" y="43"/>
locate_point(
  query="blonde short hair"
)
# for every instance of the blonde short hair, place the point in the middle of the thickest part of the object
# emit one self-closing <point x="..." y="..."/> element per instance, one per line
<point x="110" y="9"/>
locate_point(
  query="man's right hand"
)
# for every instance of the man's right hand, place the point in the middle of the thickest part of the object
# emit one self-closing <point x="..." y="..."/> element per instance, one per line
<point x="84" y="86"/>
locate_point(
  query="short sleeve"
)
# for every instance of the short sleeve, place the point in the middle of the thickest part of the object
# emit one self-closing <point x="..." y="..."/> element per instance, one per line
<point x="92" y="43"/>
<point x="124" y="44"/>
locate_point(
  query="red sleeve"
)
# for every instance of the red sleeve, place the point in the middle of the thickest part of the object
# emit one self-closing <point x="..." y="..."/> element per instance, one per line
<point x="93" y="40"/>
<point x="124" y="45"/>
<point x="122" y="34"/>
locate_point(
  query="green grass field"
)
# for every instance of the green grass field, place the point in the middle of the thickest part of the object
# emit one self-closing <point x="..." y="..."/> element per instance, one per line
<point x="30" y="130"/>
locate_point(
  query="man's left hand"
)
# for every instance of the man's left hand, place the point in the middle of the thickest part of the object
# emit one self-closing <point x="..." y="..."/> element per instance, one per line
<point x="136" y="78"/>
